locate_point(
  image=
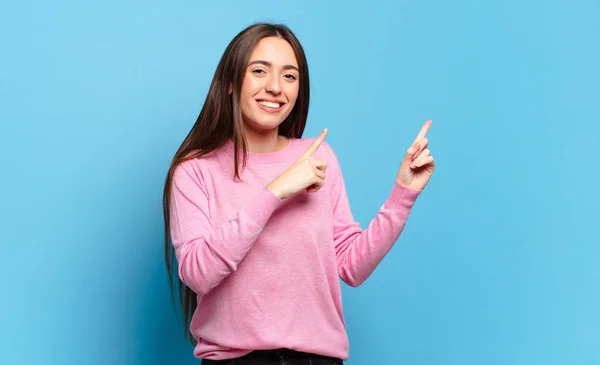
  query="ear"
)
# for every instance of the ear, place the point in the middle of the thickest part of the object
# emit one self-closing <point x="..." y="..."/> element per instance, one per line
<point x="230" y="90"/>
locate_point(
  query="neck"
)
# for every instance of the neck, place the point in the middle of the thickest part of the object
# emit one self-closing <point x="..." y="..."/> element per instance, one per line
<point x="265" y="142"/>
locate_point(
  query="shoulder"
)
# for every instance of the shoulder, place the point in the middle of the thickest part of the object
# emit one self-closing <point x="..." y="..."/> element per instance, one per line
<point x="195" y="168"/>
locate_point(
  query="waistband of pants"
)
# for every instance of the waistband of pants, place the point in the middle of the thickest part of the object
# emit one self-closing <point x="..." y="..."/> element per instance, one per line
<point x="283" y="352"/>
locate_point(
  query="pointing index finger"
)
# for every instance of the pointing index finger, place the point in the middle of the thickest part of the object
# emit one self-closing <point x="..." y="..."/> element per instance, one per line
<point x="312" y="149"/>
<point x="423" y="131"/>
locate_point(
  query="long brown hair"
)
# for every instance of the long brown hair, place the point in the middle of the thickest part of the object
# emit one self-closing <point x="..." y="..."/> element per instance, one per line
<point x="221" y="119"/>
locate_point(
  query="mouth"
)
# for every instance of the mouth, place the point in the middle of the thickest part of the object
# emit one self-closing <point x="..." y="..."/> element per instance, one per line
<point x="270" y="106"/>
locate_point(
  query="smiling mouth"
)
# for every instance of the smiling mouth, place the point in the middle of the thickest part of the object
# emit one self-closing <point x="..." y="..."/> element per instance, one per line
<point x="269" y="105"/>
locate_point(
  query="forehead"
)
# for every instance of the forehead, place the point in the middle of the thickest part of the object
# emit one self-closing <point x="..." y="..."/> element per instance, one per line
<point x="274" y="50"/>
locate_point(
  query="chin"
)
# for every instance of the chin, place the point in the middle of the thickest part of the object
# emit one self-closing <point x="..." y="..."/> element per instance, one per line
<point x="263" y="124"/>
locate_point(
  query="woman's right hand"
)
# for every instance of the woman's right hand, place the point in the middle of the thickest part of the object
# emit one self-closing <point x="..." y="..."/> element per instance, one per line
<point x="307" y="173"/>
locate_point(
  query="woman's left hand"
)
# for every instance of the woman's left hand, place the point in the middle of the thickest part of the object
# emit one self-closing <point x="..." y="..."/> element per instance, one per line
<point x="418" y="164"/>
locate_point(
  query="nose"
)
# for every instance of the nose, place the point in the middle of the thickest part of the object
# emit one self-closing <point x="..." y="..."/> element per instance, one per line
<point x="273" y="85"/>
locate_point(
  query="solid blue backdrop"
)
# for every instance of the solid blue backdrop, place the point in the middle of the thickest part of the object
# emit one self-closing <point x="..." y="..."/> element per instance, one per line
<point x="497" y="265"/>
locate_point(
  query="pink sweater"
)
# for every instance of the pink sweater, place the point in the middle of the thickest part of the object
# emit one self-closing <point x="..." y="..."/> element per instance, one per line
<point x="267" y="271"/>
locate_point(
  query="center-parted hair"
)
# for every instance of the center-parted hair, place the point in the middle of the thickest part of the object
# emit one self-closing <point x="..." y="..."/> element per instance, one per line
<point x="221" y="119"/>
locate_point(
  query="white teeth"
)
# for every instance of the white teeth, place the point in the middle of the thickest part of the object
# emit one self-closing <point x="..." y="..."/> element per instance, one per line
<point x="269" y="104"/>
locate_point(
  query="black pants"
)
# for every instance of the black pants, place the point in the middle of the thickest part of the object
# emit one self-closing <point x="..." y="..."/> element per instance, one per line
<point x="277" y="357"/>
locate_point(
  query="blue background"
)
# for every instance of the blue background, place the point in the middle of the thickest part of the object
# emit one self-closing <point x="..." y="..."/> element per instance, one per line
<point x="497" y="265"/>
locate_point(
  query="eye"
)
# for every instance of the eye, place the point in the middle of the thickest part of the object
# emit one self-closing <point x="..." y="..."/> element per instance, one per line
<point x="258" y="71"/>
<point x="290" y="77"/>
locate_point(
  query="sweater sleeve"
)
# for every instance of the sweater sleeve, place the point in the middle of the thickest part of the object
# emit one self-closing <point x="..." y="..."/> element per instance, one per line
<point x="206" y="253"/>
<point x="360" y="251"/>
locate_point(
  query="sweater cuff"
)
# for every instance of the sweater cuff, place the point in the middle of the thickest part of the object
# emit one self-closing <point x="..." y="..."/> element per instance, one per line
<point x="263" y="206"/>
<point x="402" y="197"/>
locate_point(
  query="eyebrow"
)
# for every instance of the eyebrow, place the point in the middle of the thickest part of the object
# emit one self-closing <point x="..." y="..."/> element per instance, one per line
<point x="269" y="64"/>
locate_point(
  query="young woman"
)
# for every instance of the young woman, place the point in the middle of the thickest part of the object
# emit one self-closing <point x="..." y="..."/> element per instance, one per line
<point x="258" y="220"/>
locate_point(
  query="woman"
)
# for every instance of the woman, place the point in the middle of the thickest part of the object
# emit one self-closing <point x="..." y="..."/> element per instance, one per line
<point x="258" y="218"/>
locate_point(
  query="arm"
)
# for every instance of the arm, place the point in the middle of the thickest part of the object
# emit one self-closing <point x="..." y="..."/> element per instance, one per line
<point x="360" y="251"/>
<point x="207" y="253"/>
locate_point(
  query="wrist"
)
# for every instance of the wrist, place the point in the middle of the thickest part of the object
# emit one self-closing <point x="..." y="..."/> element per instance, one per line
<point x="402" y="181"/>
<point x="275" y="190"/>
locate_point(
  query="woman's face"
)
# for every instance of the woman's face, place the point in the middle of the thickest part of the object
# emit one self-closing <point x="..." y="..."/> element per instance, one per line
<point x="270" y="85"/>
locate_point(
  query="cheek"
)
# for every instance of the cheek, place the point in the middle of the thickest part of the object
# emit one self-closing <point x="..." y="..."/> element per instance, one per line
<point x="250" y="87"/>
<point x="292" y="93"/>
